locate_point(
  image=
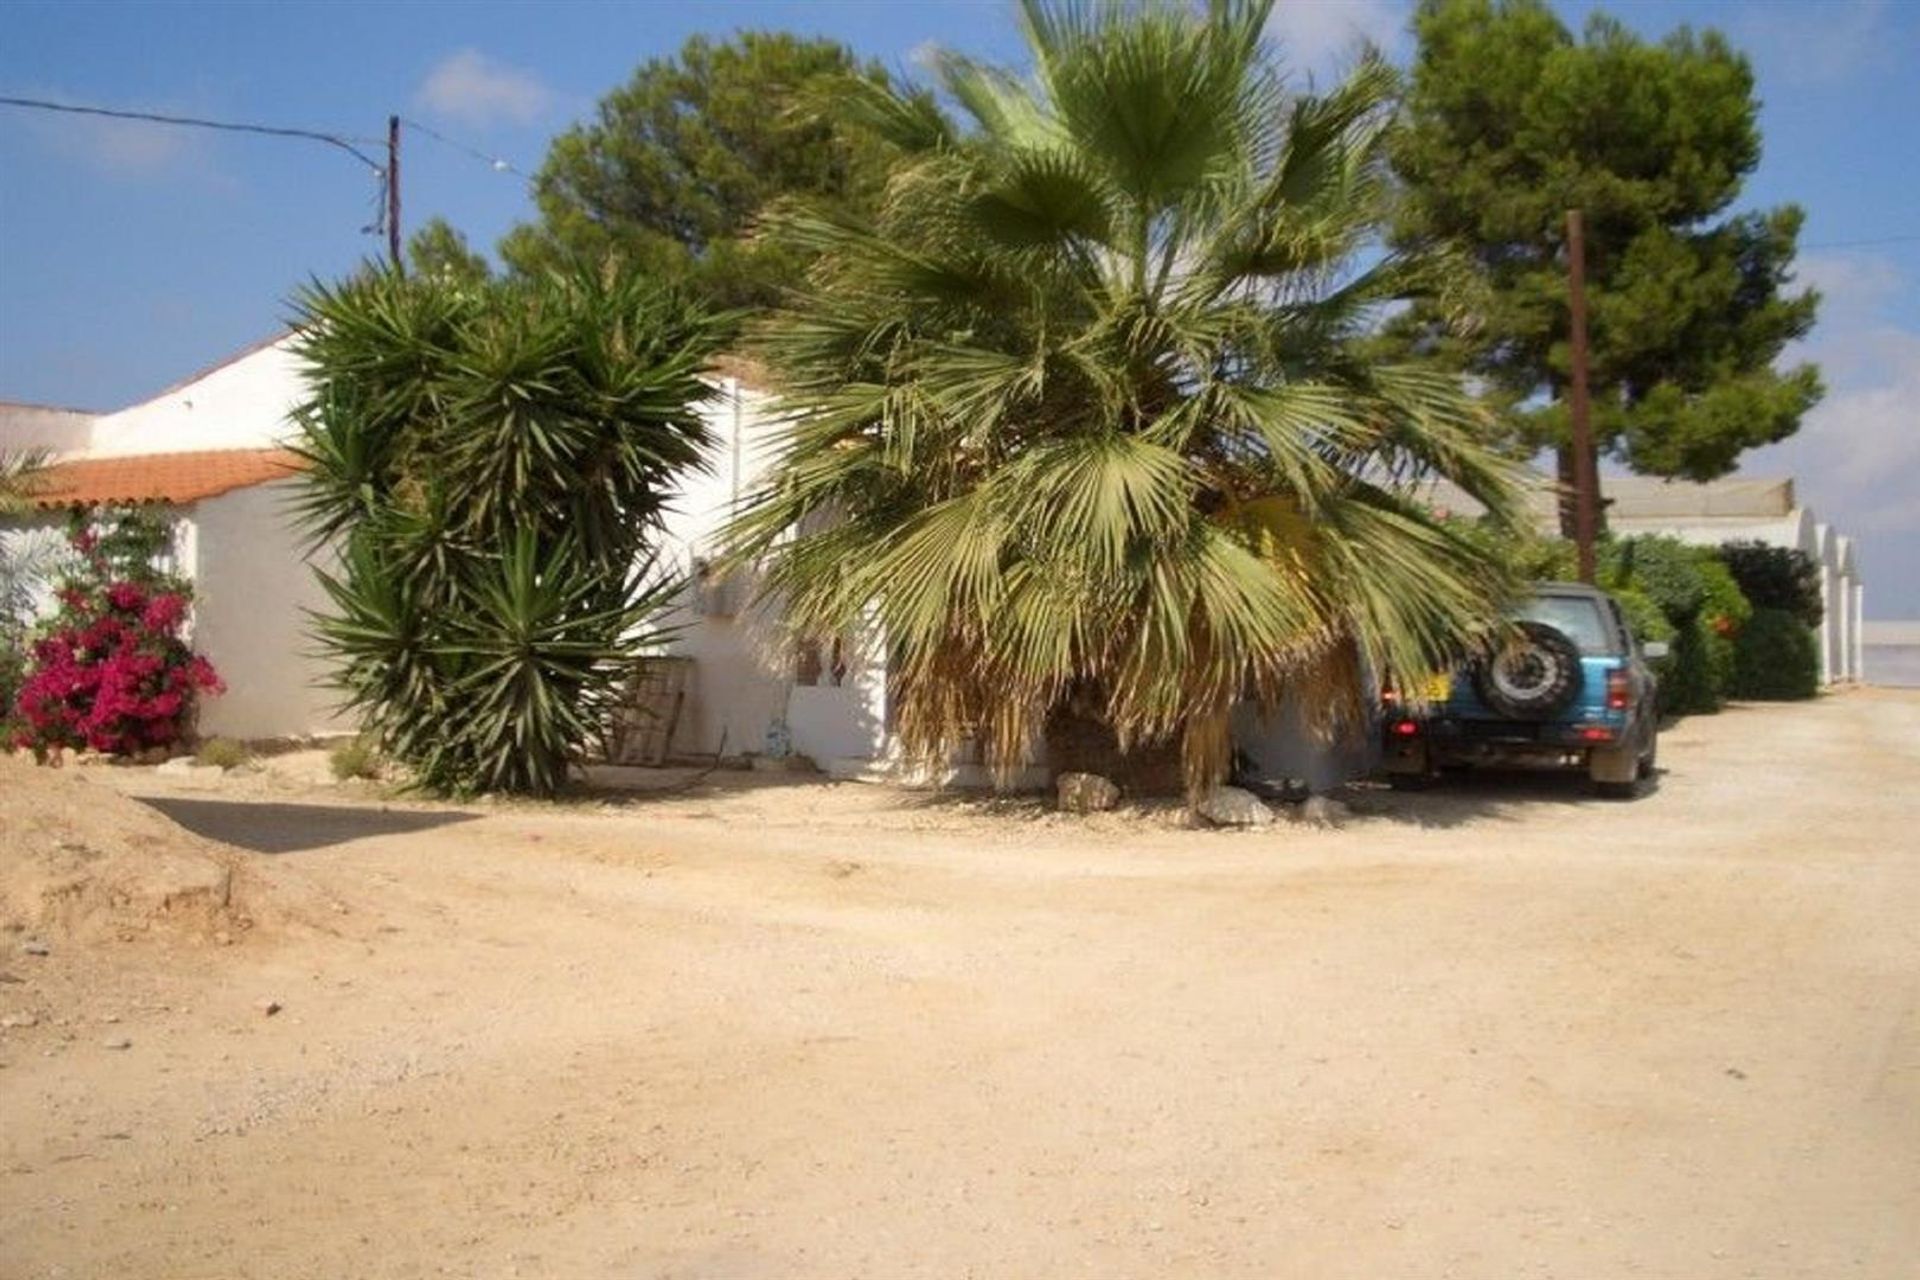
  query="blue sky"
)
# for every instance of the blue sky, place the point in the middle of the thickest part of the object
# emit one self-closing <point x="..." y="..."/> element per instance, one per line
<point x="131" y="255"/>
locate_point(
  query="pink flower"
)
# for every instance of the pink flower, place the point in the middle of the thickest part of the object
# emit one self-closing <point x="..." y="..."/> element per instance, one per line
<point x="115" y="675"/>
<point x="164" y="612"/>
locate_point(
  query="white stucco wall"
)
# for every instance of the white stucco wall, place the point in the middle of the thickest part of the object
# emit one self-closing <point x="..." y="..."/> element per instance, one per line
<point x="241" y="404"/>
<point x="742" y="680"/>
<point x="252" y="584"/>
<point x="27" y="427"/>
<point x="1838" y="633"/>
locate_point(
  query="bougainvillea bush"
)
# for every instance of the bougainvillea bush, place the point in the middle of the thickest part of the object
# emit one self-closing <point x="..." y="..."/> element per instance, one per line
<point x="112" y="671"/>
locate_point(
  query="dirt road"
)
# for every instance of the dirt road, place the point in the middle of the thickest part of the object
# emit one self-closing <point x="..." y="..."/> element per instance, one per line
<point x="834" y="1031"/>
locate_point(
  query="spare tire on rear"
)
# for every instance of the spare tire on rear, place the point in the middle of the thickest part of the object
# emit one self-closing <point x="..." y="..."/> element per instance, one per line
<point x="1533" y="674"/>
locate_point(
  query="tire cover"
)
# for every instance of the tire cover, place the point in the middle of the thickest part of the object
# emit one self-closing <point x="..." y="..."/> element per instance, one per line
<point x="1535" y="674"/>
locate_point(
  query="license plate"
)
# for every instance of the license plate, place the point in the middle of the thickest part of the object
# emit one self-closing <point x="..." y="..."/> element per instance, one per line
<point x="1439" y="688"/>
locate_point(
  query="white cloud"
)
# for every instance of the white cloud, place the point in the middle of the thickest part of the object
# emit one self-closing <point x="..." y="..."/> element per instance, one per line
<point x="472" y="88"/>
<point x="1856" y="457"/>
<point x="1320" y="36"/>
<point x="1819" y="43"/>
<point x="925" y="55"/>
<point x="119" y="148"/>
<point x="1853" y="286"/>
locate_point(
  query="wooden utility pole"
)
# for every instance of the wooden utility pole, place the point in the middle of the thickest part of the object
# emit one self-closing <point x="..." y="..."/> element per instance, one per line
<point x="1586" y="498"/>
<point x="393" y="190"/>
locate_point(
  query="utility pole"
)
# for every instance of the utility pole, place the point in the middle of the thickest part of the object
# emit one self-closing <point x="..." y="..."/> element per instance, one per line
<point x="393" y="190"/>
<point x="1586" y="498"/>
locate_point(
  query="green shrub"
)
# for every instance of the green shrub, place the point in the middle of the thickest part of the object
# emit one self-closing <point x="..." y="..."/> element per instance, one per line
<point x="1782" y="578"/>
<point x="357" y="757"/>
<point x="1538" y="559"/>
<point x="1666" y="570"/>
<point x="1689" y="688"/>
<point x="1776" y="658"/>
<point x="1648" y="624"/>
<point x="1723" y="614"/>
<point x="223" y="753"/>
<point x="492" y="462"/>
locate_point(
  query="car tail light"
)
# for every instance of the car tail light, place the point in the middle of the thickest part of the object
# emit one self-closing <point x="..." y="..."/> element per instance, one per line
<point x="1619" y="690"/>
<point x="1595" y="733"/>
<point x="1406" y="728"/>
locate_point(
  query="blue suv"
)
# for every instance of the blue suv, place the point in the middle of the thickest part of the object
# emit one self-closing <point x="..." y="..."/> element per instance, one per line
<point x="1568" y="685"/>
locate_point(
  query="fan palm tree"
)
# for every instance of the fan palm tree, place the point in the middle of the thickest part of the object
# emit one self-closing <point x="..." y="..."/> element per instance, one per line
<point x="1085" y="416"/>
<point x="18" y="470"/>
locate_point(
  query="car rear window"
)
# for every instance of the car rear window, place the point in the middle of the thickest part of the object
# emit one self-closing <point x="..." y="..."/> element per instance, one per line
<point x="1578" y="617"/>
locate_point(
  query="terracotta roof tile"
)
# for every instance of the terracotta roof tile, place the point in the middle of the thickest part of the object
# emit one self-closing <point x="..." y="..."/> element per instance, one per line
<point x="174" y="478"/>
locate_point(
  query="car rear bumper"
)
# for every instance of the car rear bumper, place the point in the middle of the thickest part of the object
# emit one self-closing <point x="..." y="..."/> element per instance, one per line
<point x="1421" y="745"/>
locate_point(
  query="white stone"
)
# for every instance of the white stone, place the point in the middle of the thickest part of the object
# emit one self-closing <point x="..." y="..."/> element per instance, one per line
<point x="1086" y="793"/>
<point x="1233" y="807"/>
<point x="1322" y="811"/>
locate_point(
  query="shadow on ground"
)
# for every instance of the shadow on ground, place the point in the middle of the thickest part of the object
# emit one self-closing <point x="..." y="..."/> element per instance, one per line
<point x="1457" y="798"/>
<point x="294" y="828"/>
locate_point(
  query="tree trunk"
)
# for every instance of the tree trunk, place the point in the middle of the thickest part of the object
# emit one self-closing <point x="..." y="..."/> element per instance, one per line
<point x="1570" y="499"/>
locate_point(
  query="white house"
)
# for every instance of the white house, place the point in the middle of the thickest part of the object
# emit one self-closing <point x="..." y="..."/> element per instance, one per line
<point x="1740" y="509"/>
<point x="1745" y="509"/>
<point x="210" y="450"/>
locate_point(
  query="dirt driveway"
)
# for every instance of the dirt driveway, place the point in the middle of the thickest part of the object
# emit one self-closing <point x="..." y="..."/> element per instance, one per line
<point x="835" y="1031"/>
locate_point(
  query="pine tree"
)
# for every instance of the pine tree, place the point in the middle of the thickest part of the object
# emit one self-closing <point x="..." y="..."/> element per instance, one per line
<point x="1510" y="122"/>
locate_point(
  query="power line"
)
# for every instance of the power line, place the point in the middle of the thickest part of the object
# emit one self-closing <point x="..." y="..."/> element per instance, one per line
<point x="491" y="161"/>
<point x="345" y="143"/>
<point x="1862" y="244"/>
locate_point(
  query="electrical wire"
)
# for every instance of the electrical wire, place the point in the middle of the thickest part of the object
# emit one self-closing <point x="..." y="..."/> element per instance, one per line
<point x="491" y="161"/>
<point x="1862" y="244"/>
<point x="345" y="143"/>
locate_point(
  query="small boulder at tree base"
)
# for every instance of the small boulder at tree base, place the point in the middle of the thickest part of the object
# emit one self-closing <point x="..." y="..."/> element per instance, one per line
<point x="1233" y="807"/>
<point x="1322" y="811"/>
<point x="1086" y="793"/>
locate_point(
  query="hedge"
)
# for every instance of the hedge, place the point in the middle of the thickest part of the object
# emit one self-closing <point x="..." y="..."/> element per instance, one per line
<point x="1776" y="658"/>
<point x="1782" y="578"/>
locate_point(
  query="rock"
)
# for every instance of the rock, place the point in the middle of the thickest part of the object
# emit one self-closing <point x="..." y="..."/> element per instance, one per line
<point x="10" y="978"/>
<point x="269" y="1007"/>
<point x="19" y="1020"/>
<point x="117" y="1042"/>
<point x="1086" y="793"/>
<point x="1233" y="807"/>
<point x="178" y="767"/>
<point x="35" y="947"/>
<point x="1323" y="811"/>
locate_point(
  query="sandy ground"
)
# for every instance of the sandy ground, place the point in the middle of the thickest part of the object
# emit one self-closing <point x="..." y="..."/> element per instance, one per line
<point x="810" y="1030"/>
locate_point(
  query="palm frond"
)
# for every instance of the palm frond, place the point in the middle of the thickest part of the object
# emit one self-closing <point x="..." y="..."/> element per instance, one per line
<point x="1087" y="416"/>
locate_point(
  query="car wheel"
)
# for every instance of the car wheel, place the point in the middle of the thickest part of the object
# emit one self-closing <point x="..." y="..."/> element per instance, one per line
<point x="1616" y="790"/>
<point x="1534" y="674"/>
<point x="1649" y="760"/>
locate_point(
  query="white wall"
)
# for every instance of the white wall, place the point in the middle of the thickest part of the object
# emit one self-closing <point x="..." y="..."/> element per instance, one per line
<point x="241" y="404"/>
<point x="252" y="584"/>
<point x="736" y="690"/>
<point x="38" y="426"/>
<point x="742" y="676"/>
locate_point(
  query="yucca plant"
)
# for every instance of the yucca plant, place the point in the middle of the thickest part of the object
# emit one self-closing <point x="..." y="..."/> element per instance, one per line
<point x="1085" y="418"/>
<point x="491" y="464"/>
